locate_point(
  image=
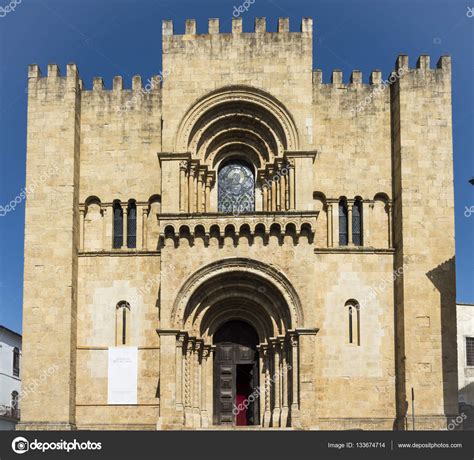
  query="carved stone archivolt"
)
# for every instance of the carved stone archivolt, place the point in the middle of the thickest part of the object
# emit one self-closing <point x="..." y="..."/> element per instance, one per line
<point x="272" y="289"/>
<point x="234" y="106"/>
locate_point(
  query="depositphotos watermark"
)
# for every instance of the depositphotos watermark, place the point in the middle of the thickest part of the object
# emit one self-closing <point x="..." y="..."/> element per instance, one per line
<point x="152" y="84"/>
<point x="4" y="210"/>
<point x="244" y="7"/>
<point x="394" y="76"/>
<point x="258" y="391"/>
<point x="468" y="212"/>
<point x="4" y="10"/>
<point x="21" y="445"/>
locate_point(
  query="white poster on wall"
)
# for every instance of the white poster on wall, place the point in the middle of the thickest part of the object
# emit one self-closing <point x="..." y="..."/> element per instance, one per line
<point x="122" y="376"/>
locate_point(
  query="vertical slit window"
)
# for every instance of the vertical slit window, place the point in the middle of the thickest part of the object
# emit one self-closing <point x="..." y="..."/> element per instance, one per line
<point x="16" y="362"/>
<point x="122" y="325"/>
<point x="132" y="225"/>
<point x="353" y="312"/>
<point x="118" y="226"/>
<point x="343" y="223"/>
<point x="357" y="223"/>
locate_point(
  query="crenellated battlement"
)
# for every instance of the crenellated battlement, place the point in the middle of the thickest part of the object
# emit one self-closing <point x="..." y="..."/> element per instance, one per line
<point x="375" y="78"/>
<point x="260" y="27"/>
<point x="151" y="85"/>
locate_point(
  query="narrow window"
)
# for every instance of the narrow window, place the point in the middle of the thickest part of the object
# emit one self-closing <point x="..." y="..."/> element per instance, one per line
<point x="470" y="351"/>
<point x="132" y="225"/>
<point x="353" y="311"/>
<point x="118" y="225"/>
<point x="16" y="362"/>
<point x="122" y="320"/>
<point x="357" y="223"/>
<point x="351" y="338"/>
<point x="343" y="231"/>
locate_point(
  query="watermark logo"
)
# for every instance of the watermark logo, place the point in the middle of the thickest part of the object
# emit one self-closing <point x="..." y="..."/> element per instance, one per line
<point x="244" y="7"/>
<point x="4" y="10"/>
<point x="470" y="11"/>
<point x="468" y="211"/>
<point x="20" y="445"/>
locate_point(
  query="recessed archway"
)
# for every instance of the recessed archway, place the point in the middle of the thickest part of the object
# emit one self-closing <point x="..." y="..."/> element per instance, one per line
<point x="236" y="113"/>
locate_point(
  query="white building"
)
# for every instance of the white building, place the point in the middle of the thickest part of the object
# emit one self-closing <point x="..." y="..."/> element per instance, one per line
<point x="10" y="378"/>
<point x="465" y="321"/>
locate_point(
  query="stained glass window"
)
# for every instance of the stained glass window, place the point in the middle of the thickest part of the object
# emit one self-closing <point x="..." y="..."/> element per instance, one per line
<point x="236" y="188"/>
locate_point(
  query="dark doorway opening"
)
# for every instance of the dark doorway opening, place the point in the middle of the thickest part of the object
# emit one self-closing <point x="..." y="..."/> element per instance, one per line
<point x="245" y="396"/>
<point x="236" y="397"/>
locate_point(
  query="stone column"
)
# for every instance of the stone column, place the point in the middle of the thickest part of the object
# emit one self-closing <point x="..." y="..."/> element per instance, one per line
<point x="139" y="232"/>
<point x="145" y="228"/>
<point x="199" y="191"/>
<point x="274" y="193"/>
<point x="389" y="217"/>
<point x="330" y="236"/>
<point x="292" y="187"/>
<point x="196" y="189"/>
<point x="265" y="386"/>
<point x="295" y="406"/>
<point x="188" y="368"/>
<point x="276" y="383"/>
<point x="82" y="213"/>
<point x="335" y="223"/>
<point x="183" y="192"/>
<point x="125" y="222"/>
<point x="168" y="418"/>
<point x="197" y="383"/>
<point x="367" y="209"/>
<point x="206" y="351"/>
<point x="106" y="243"/>
<point x="284" y="383"/>
<point x="208" y="193"/>
<point x="265" y="198"/>
<point x="349" y="222"/>
<point x="190" y="189"/>
<point x="278" y="189"/>
<point x="180" y="349"/>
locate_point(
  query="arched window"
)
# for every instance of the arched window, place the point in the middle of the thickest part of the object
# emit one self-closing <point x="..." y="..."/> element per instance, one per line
<point x="122" y="326"/>
<point x="357" y="222"/>
<point x="343" y="223"/>
<point x="118" y="225"/>
<point x="132" y="224"/>
<point x="236" y="187"/>
<point x="353" y="312"/>
<point x="16" y="362"/>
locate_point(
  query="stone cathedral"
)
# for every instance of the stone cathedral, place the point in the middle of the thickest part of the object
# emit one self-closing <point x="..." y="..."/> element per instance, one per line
<point x="238" y="243"/>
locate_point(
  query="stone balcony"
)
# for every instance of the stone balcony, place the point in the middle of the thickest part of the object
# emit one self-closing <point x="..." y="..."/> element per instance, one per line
<point x="262" y="225"/>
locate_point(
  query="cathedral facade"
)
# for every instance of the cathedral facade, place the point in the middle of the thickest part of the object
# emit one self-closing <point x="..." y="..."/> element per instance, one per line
<point x="237" y="243"/>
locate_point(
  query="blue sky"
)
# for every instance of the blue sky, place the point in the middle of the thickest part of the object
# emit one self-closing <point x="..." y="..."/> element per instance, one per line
<point x="123" y="37"/>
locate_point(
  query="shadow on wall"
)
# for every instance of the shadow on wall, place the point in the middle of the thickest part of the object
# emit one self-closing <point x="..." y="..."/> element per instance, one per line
<point x="468" y="411"/>
<point x="444" y="279"/>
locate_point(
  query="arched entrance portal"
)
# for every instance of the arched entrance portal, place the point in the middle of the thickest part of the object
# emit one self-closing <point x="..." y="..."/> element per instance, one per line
<point x="235" y="327"/>
<point x="236" y="382"/>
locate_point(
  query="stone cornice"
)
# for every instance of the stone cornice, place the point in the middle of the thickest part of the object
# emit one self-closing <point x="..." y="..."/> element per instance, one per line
<point x="354" y="250"/>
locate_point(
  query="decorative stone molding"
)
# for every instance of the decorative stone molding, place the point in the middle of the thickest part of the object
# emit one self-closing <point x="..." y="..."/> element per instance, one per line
<point x="205" y="226"/>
